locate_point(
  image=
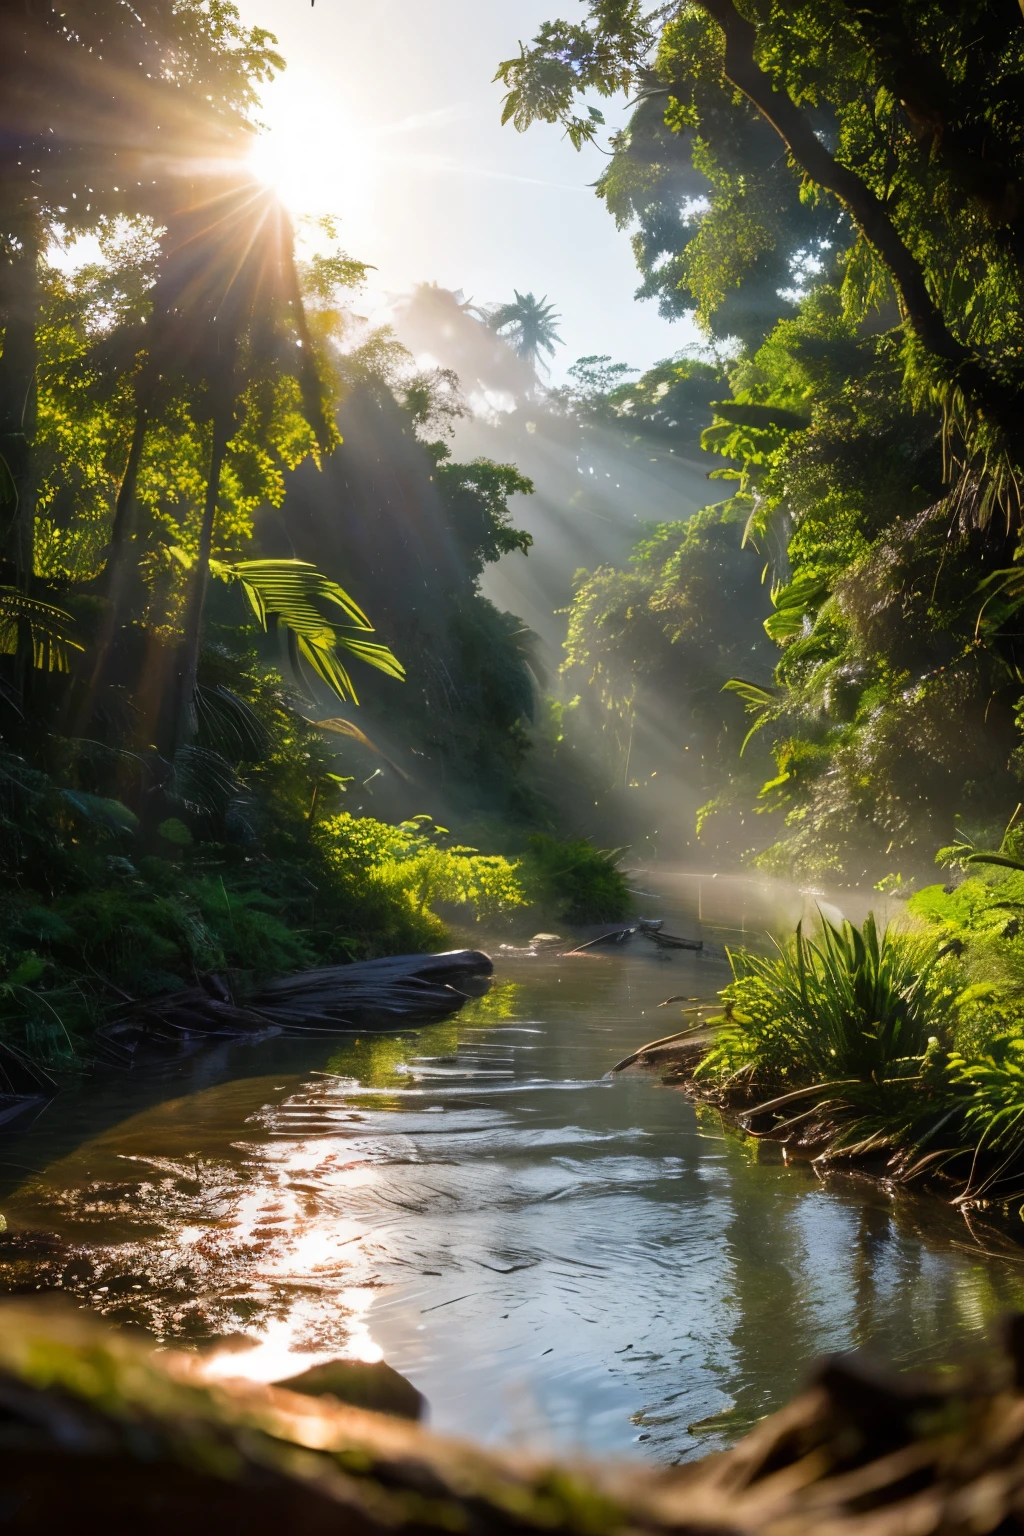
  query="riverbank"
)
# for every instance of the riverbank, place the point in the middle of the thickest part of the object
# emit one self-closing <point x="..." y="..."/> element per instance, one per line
<point x="100" y="1433"/>
<point x="893" y="1048"/>
<point x="554" y="1258"/>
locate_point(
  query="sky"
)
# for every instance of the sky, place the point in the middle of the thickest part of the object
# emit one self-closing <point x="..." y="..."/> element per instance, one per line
<point x="387" y="116"/>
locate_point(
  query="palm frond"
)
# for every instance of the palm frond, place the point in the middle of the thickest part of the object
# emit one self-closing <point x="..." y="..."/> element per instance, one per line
<point x="753" y="695"/>
<point x="228" y="725"/>
<point x="338" y="726"/>
<point x="203" y="782"/>
<point x="295" y="594"/>
<point x="51" y="629"/>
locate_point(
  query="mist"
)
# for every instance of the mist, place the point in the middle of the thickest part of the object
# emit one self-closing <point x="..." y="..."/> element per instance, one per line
<point x="596" y="486"/>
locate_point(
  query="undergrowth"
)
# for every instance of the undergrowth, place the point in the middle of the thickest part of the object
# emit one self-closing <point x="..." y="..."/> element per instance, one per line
<point x="902" y="1047"/>
<point x="574" y="881"/>
<point x="120" y="880"/>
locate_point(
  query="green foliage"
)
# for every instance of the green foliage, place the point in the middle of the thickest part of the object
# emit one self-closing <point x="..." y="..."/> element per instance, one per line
<point x="660" y="640"/>
<point x="848" y="1003"/>
<point x="575" y="881"/>
<point x="296" y="595"/>
<point x="810" y="184"/>
<point x="476" y="500"/>
<point x="411" y="866"/>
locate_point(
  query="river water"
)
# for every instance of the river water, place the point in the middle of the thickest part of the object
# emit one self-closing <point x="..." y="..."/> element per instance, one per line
<point x="554" y="1257"/>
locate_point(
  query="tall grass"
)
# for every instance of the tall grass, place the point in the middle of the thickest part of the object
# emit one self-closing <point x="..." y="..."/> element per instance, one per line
<point x="854" y="1042"/>
<point x="848" y="1004"/>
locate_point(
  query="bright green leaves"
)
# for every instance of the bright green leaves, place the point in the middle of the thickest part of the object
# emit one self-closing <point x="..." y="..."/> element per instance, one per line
<point x="844" y="1003"/>
<point x="793" y="603"/>
<point x="50" y="630"/>
<point x="301" y="599"/>
<point x="758" y="701"/>
<point x="566" y="60"/>
<point x="866" y="282"/>
<point x="413" y="862"/>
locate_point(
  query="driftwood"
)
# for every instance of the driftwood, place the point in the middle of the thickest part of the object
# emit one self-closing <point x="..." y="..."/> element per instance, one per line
<point x="648" y="928"/>
<point x="670" y="1055"/>
<point x="671" y="940"/>
<point x="371" y="994"/>
<point x="98" y="1434"/>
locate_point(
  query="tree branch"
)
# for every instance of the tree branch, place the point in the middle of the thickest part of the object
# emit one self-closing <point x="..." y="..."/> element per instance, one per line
<point x="867" y="211"/>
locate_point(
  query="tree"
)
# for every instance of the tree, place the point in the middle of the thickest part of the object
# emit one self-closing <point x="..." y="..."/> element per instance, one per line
<point x="528" y="324"/>
<point x="93" y="98"/>
<point x="904" y="120"/>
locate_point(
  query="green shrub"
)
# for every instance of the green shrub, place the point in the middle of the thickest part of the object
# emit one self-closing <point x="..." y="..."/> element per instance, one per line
<point x="849" y="1004"/>
<point x="577" y="882"/>
<point x="405" y="870"/>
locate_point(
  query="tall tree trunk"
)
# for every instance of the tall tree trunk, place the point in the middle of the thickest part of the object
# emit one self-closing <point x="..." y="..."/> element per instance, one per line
<point x="223" y="426"/>
<point x="19" y="317"/>
<point x="114" y="578"/>
<point x="125" y="504"/>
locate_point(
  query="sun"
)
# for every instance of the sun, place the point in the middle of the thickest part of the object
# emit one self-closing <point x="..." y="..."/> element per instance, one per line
<point x="312" y="154"/>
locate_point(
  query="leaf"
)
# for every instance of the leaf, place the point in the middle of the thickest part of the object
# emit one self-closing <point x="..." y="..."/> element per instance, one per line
<point x="109" y="814"/>
<point x="29" y="970"/>
<point x="753" y="695"/>
<point x="342" y="727"/>
<point x="228" y="725"/>
<point x="202" y="781"/>
<point x="175" y="832"/>
<point x="295" y="594"/>
<point x="1004" y="860"/>
<point x="792" y="603"/>
<point x="51" y="629"/>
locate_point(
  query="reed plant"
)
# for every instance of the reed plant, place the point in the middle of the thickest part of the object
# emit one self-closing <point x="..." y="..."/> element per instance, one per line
<point x="845" y="1003"/>
<point x="840" y="1044"/>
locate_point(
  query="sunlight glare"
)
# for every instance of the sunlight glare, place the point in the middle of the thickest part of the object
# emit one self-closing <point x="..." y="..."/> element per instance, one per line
<point x="315" y="158"/>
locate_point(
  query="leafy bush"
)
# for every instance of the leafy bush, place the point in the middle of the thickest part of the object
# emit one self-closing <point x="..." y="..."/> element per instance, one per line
<point x="409" y="867"/>
<point x="578" y="882"/>
<point x="850" y="1004"/>
<point x="994" y="1114"/>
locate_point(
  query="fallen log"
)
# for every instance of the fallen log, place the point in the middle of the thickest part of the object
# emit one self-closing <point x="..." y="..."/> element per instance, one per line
<point x="335" y="999"/>
<point x="100" y="1434"/>
<point x="373" y="993"/>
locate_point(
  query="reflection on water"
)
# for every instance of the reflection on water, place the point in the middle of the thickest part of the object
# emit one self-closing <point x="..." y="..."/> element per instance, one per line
<point x="550" y="1255"/>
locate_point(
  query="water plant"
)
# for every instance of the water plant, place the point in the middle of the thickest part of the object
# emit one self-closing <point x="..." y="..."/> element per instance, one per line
<point x="846" y="1003"/>
<point x="840" y="1044"/>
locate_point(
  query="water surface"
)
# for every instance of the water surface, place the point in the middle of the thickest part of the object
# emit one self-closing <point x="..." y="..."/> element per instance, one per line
<point x="552" y="1256"/>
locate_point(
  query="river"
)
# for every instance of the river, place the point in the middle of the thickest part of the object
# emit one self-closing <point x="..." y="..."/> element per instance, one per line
<point x="555" y="1258"/>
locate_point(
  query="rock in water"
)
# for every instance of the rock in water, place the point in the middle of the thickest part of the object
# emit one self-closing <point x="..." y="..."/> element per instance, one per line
<point x="364" y="1384"/>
